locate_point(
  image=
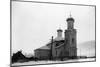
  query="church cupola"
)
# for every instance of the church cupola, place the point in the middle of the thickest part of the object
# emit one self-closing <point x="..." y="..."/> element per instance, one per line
<point x="70" y="22"/>
<point x="59" y="32"/>
<point x="59" y="35"/>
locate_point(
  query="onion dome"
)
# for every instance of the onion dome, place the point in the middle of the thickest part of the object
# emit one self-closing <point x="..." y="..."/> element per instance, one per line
<point x="59" y="30"/>
<point x="70" y="19"/>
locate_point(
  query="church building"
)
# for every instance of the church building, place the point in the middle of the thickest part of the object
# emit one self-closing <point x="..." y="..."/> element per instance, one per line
<point x="60" y="47"/>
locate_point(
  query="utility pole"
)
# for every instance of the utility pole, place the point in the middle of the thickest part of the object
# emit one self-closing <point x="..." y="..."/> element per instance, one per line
<point x="51" y="56"/>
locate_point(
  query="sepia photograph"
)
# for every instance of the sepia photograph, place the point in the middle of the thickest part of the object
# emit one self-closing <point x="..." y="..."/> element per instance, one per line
<point x="52" y="33"/>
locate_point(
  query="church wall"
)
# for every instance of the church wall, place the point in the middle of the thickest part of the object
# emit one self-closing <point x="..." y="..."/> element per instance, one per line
<point x="59" y="51"/>
<point x="42" y="54"/>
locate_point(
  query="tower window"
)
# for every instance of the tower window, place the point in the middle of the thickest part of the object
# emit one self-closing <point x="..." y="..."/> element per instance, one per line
<point x="72" y="40"/>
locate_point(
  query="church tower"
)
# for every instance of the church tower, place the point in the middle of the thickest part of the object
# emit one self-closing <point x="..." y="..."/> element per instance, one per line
<point x="70" y="38"/>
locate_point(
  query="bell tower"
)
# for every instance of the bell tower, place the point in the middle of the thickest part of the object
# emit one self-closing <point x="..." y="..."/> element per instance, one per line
<point x="70" y="38"/>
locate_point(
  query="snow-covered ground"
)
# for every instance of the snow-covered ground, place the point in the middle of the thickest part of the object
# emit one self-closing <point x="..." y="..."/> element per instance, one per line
<point x="46" y="62"/>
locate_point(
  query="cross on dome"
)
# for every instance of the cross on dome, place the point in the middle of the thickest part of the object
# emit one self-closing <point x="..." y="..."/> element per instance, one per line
<point x="70" y="18"/>
<point x="70" y="15"/>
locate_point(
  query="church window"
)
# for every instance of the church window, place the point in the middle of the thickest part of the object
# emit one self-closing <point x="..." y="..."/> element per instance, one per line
<point x="72" y="40"/>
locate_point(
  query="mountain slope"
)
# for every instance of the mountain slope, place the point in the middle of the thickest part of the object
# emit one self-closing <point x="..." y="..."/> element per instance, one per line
<point x="86" y="48"/>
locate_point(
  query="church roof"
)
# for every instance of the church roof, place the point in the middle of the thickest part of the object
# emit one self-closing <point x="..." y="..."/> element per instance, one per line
<point x="58" y="38"/>
<point x="44" y="47"/>
<point x="60" y="45"/>
<point x="47" y="47"/>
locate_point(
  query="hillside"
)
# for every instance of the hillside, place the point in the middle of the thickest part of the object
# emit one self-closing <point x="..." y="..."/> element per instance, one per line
<point x="86" y="48"/>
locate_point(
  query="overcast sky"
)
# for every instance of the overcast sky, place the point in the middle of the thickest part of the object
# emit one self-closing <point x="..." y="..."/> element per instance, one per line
<point x="33" y="24"/>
